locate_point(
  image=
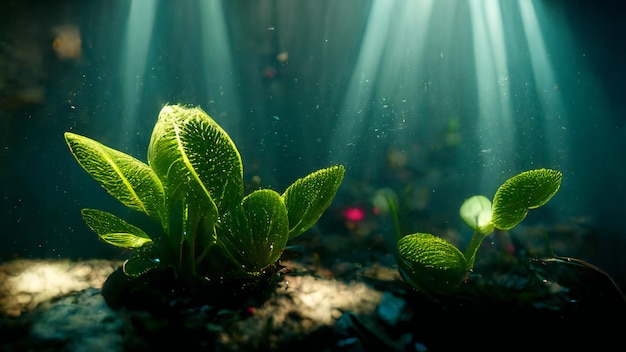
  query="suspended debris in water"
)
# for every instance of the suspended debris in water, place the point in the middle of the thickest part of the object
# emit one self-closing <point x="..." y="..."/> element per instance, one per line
<point x="67" y="43"/>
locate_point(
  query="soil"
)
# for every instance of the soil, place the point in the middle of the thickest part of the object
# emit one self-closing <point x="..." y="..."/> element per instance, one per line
<point x="319" y="301"/>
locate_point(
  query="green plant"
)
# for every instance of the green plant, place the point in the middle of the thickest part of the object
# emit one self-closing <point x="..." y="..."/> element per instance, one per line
<point x="433" y="265"/>
<point x="193" y="187"/>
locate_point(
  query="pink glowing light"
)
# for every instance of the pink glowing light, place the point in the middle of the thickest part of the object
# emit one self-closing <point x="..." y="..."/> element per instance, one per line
<point x="354" y="214"/>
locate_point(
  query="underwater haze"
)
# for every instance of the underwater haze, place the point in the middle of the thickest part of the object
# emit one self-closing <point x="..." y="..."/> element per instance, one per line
<point x="432" y="101"/>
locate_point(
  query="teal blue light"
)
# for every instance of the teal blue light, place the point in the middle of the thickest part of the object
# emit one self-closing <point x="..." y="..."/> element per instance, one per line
<point x="495" y="127"/>
<point x="137" y="39"/>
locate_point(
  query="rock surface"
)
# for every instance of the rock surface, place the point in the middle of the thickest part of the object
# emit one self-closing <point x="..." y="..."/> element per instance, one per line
<point x="324" y="304"/>
<point x="57" y="305"/>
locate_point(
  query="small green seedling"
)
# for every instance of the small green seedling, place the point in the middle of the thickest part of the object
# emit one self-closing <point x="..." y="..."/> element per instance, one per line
<point x="433" y="265"/>
<point x="193" y="187"/>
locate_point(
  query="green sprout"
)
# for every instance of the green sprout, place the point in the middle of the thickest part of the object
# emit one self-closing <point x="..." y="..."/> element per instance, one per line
<point x="433" y="265"/>
<point x="193" y="188"/>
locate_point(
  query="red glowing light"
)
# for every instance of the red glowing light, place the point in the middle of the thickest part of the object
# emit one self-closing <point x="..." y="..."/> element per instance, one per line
<point x="354" y="214"/>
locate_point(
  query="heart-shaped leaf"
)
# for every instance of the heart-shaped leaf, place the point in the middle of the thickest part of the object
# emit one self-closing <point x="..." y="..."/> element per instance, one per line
<point x="430" y="263"/>
<point x="527" y="190"/>
<point x="308" y="197"/>
<point x="256" y="232"/>
<point x="476" y="213"/>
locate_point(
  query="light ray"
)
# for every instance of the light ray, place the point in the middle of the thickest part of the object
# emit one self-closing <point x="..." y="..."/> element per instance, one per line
<point x="218" y="65"/>
<point x="494" y="131"/>
<point x="386" y="75"/>
<point x="361" y="87"/>
<point x="139" y="29"/>
<point x="546" y="85"/>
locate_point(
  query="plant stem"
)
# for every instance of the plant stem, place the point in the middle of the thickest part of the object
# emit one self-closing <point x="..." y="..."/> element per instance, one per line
<point x="472" y="248"/>
<point x="394" y="213"/>
<point x="588" y="266"/>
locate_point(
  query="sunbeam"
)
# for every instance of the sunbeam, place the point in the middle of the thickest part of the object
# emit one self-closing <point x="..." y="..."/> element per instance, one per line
<point x="354" y="113"/>
<point x="546" y="85"/>
<point x="435" y="79"/>
<point x="137" y="38"/>
<point x="219" y="71"/>
<point x="494" y="130"/>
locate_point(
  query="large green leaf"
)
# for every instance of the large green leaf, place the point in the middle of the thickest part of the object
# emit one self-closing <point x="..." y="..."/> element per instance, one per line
<point x="527" y="190"/>
<point x="193" y="156"/>
<point x="127" y="179"/>
<point x="308" y="197"/>
<point x="257" y="231"/>
<point x="114" y="230"/>
<point x="430" y="263"/>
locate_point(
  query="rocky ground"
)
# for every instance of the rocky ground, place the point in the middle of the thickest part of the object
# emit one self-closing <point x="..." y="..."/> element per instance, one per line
<point x="57" y="305"/>
<point x="322" y="303"/>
